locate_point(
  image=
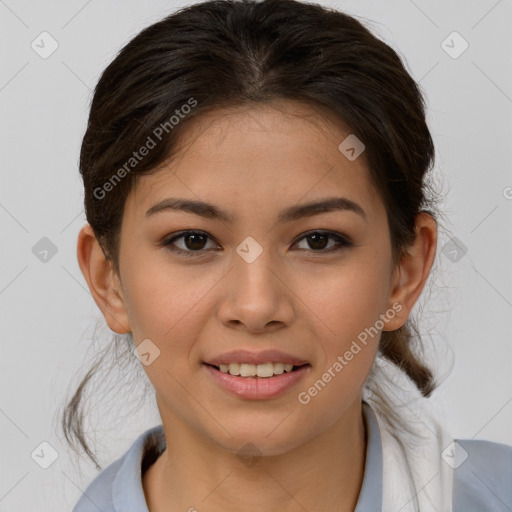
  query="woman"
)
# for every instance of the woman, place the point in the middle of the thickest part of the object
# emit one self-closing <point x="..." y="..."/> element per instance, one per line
<point x="259" y="228"/>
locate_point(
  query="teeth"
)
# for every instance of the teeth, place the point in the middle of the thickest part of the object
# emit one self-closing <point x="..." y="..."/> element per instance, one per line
<point x="253" y="370"/>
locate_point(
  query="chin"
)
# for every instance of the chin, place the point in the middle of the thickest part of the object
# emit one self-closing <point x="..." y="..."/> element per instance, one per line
<point x="258" y="439"/>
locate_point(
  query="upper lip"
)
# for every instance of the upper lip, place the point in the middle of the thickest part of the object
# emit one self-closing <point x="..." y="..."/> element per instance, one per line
<point x="265" y="356"/>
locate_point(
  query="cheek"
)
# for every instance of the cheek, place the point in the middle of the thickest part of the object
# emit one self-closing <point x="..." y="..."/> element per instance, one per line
<point x="169" y="306"/>
<point x="347" y="320"/>
<point x="347" y="313"/>
<point x="158" y="300"/>
<point x="347" y="300"/>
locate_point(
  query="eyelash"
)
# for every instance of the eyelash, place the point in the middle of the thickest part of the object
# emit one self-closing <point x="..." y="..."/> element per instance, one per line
<point x="343" y="242"/>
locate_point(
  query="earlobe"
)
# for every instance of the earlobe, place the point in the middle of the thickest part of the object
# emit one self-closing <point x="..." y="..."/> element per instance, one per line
<point x="413" y="270"/>
<point x="101" y="279"/>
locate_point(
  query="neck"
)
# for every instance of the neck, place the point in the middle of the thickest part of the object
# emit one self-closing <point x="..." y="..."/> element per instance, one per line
<point x="324" y="474"/>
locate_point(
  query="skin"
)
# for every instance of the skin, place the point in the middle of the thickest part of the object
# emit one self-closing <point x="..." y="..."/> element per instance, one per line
<point x="307" y="301"/>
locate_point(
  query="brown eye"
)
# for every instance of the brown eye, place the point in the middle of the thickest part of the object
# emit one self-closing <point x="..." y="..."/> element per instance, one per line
<point x="318" y="240"/>
<point x="193" y="242"/>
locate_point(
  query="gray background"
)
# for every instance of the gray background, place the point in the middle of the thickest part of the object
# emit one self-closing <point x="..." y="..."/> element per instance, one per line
<point x="47" y="314"/>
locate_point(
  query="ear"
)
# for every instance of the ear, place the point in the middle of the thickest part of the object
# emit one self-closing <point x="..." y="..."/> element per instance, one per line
<point x="103" y="282"/>
<point x="413" y="270"/>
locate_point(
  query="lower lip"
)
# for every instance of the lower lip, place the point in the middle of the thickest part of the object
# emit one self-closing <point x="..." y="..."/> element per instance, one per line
<point x="258" y="388"/>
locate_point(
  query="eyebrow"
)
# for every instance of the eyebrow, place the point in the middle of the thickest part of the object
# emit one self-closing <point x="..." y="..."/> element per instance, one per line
<point x="296" y="212"/>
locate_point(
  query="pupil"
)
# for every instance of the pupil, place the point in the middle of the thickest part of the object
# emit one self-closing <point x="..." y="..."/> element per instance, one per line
<point x="194" y="240"/>
<point x="316" y="236"/>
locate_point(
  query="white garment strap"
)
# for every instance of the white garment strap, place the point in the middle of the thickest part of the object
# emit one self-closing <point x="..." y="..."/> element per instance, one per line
<point x="416" y="478"/>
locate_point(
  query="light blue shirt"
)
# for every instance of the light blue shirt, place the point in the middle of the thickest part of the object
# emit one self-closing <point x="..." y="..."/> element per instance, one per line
<point x="482" y="483"/>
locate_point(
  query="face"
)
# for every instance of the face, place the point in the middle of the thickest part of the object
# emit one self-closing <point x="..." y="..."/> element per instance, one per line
<point x="305" y="285"/>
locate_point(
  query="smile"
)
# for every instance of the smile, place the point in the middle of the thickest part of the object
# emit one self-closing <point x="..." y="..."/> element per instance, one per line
<point x="257" y="382"/>
<point x="256" y="370"/>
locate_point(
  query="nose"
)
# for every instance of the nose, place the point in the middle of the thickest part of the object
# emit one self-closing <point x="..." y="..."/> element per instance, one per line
<point x="257" y="296"/>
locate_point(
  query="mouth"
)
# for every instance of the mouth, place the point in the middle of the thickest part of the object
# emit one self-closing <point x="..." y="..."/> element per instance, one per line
<point x="257" y="382"/>
<point x="257" y="371"/>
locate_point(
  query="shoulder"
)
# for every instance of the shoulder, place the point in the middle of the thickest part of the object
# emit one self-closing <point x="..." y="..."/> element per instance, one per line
<point x="120" y="483"/>
<point x="98" y="494"/>
<point x="482" y="476"/>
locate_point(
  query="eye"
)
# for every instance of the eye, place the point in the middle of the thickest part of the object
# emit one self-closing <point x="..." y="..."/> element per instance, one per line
<point x="317" y="241"/>
<point x="193" y="242"/>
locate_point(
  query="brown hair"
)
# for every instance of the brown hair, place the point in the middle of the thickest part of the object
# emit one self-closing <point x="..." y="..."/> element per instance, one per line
<point x="229" y="53"/>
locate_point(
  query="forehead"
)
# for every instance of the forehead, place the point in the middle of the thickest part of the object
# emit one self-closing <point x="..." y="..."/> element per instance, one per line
<point x="281" y="151"/>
